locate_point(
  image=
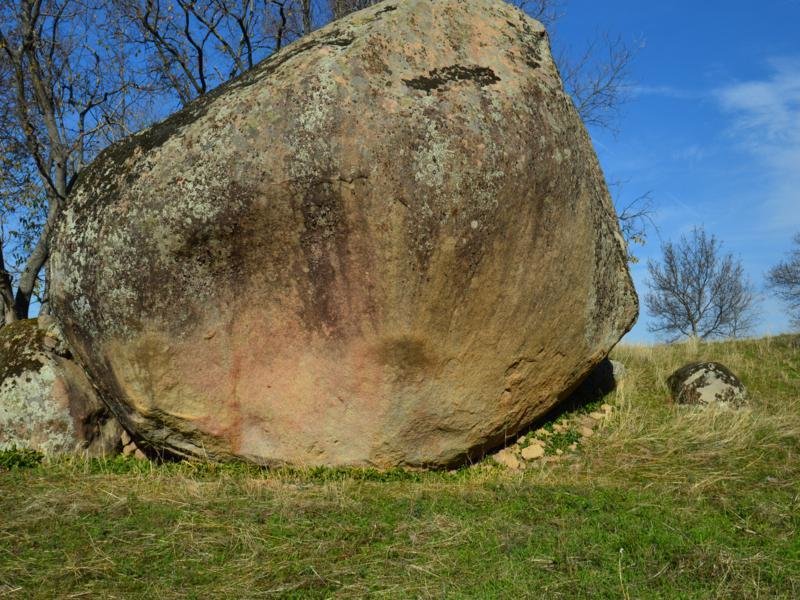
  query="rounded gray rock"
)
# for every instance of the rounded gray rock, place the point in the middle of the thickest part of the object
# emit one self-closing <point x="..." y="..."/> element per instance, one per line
<point x="706" y="383"/>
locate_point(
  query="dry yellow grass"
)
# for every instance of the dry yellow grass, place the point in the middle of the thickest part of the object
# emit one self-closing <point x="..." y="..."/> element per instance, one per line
<point x="694" y="450"/>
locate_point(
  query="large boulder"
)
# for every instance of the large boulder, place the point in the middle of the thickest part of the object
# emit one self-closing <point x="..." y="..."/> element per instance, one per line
<point x="46" y="401"/>
<point x="388" y="244"/>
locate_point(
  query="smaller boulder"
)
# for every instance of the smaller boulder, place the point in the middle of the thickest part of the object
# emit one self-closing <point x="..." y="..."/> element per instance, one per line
<point x="618" y="371"/>
<point x="706" y="383"/>
<point x="47" y="403"/>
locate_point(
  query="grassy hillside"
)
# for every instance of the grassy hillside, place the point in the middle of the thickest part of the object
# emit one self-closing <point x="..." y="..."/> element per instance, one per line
<point x="660" y="503"/>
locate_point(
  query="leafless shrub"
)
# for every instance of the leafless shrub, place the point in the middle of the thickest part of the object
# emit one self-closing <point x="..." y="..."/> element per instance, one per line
<point x="784" y="279"/>
<point x="697" y="292"/>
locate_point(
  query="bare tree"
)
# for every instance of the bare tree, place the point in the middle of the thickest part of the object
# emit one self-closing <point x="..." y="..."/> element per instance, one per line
<point x="697" y="292"/>
<point x="635" y="220"/>
<point x="342" y="8"/>
<point x="784" y="279"/>
<point x="61" y="90"/>
<point x="307" y="16"/>
<point x="192" y="46"/>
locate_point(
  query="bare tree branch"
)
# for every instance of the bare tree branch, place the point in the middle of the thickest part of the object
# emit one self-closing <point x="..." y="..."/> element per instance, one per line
<point x="57" y="86"/>
<point x="598" y="79"/>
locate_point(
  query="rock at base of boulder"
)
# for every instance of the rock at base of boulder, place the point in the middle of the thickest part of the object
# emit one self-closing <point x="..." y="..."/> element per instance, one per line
<point x="706" y="383"/>
<point x="533" y="452"/>
<point x="507" y="459"/>
<point x="47" y="403"/>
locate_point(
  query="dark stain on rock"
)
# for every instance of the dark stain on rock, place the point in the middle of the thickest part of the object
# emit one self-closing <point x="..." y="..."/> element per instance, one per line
<point x="532" y="43"/>
<point x="438" y="78"/>
<point x="324" y="243"/>
<point x="406" y="355"/>
<point x="341" y="42"/>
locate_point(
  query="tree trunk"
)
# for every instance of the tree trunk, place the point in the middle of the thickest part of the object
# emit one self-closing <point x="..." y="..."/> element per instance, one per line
<point x="305" y="7"/>
<point x="6" y="292"/>
<point x="37" y="259"/>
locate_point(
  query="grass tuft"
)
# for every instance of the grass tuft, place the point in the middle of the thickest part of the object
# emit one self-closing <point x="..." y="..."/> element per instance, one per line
<point x="19" y="458"/>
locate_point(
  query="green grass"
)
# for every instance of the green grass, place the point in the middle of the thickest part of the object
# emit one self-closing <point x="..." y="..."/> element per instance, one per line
<point x="661" y="502"/>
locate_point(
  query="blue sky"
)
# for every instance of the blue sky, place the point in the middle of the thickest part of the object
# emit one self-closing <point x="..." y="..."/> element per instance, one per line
<point x="711" y="128"/>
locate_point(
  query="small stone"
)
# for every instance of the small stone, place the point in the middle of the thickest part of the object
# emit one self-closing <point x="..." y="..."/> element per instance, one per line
<point x="139" y="455"/>
<point x="129" y="449"/>
<point x="559" y="452"/>
<point x="542" y="433"/>
<point x="125" y="438"/>
<point x="586" y="431"/>
<point x="559" y="428"/>
<point x="598" y="416"/>
<point x="573" y="447"/>
<point x="606" y="408"/>
<point x="506" y="458"/>
<point x="533" y="452"/>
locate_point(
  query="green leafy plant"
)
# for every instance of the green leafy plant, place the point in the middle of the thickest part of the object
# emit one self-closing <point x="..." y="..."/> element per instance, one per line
<point x="19" y="458"/>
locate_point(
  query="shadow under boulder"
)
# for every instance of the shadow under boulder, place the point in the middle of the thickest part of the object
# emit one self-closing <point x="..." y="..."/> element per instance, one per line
<point x="600" y="382"/>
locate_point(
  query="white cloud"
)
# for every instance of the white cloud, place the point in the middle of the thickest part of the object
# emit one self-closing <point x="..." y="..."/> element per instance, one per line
<point x="768" y="110"/>
<point x="666" y="91"/>
<point x="766" y="123"/>
<point x="691" y="153"/>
